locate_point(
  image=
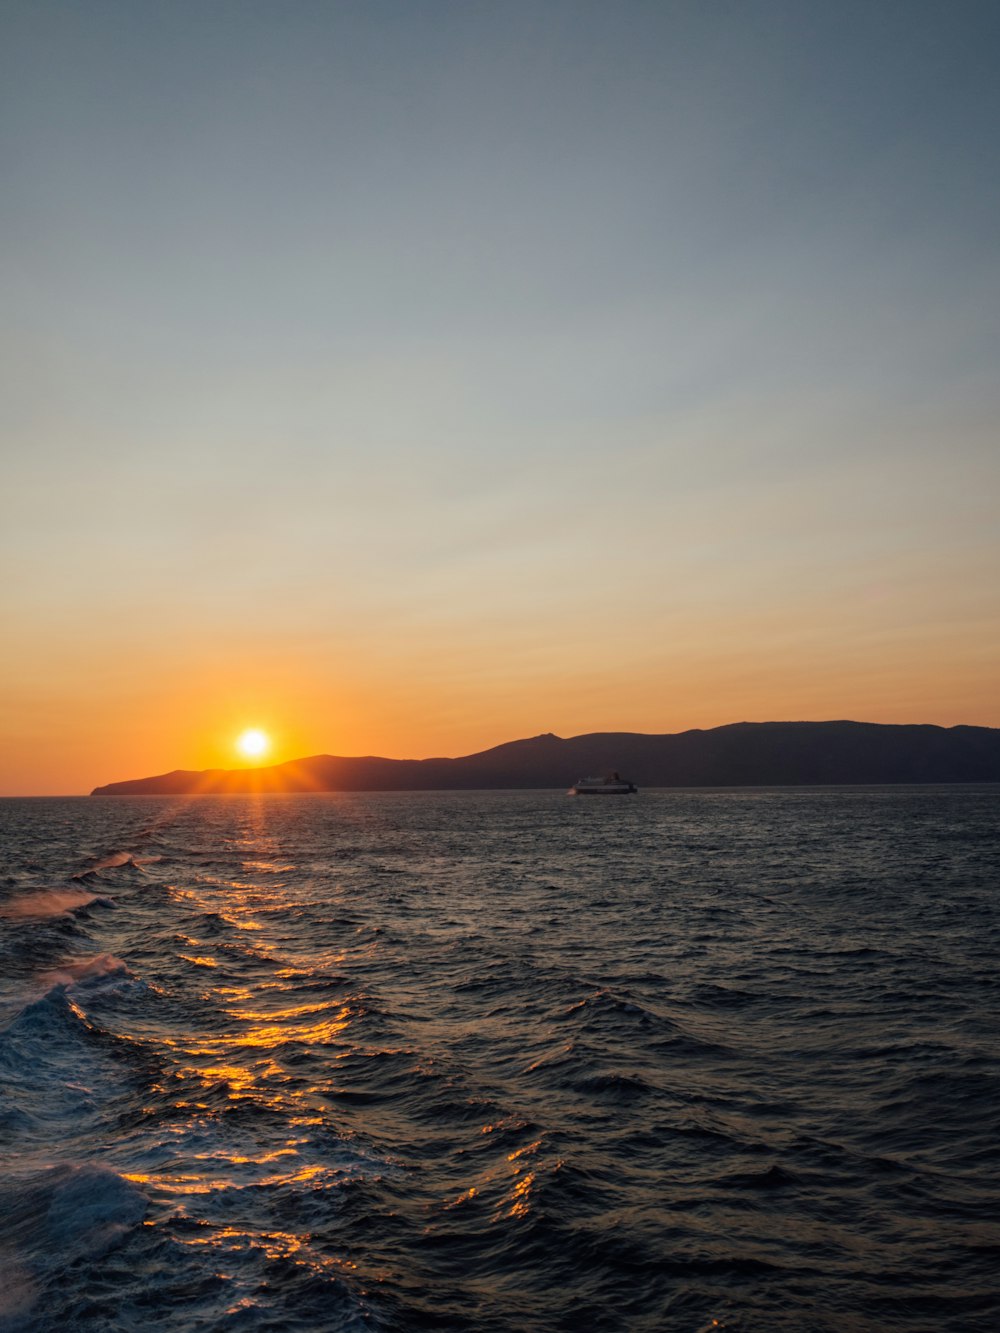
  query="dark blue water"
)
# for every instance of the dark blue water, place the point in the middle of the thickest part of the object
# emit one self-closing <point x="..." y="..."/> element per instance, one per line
<point x="501" y="1061"/>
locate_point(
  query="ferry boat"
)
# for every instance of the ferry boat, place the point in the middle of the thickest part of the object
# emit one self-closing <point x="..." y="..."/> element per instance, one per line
<point x="610" y="785"/>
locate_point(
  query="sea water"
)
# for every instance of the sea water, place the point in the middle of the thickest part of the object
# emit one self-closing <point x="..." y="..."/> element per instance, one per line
<point x="685" y="1060"/>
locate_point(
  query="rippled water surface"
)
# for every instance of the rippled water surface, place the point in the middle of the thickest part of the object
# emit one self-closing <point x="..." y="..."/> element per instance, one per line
<point x="501" y="1061"/>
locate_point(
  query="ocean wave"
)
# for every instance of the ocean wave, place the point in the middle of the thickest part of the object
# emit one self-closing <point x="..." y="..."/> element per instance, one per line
<point x="42" y="903"/>
<point x="68" y="1214"/>
<point x="93" y="967"/>
<point x="563" y="1072"/>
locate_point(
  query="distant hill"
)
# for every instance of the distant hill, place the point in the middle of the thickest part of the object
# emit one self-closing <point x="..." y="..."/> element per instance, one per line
<point x="743" y="754"/>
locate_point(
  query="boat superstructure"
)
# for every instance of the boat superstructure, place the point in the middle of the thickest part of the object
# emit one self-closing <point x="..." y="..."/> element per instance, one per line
<point x="610" y="785"/>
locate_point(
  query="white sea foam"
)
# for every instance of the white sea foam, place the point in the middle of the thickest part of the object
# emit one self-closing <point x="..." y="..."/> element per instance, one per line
<point x="116" y="860"/>
<point x="111" y="861"/>
<point x="48" y="902"/>
<point x="71" y="971"/>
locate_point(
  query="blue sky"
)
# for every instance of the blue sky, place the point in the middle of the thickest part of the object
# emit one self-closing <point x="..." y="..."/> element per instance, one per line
<point x="486" y="346"/>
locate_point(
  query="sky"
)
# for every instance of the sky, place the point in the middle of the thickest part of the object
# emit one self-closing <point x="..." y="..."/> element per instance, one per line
<point x="405" y="378"/>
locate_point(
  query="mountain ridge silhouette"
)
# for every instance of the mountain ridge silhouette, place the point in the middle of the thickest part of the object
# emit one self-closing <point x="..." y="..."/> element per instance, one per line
<point x="734" y="755"/>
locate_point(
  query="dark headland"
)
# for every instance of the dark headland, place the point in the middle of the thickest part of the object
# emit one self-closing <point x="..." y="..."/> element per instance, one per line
<point x="743" y="754"/>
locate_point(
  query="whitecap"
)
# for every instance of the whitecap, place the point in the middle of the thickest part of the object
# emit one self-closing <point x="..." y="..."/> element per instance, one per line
<point x="48" y="903"/>
<point x="72" y="971"/>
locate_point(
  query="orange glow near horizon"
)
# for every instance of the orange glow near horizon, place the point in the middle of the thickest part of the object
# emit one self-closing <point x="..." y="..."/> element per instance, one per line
<point x="189" y="712"/>
<point x="461" y="694"/>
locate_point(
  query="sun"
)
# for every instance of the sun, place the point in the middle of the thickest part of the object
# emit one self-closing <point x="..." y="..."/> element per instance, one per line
<point x="253" y="743"/>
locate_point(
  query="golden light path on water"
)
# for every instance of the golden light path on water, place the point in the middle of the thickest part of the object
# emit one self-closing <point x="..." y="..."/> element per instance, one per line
<point x="207" y="1073"/>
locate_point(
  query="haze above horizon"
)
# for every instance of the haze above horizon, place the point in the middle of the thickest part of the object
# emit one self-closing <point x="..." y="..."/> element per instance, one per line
<point x="400" y="380"/>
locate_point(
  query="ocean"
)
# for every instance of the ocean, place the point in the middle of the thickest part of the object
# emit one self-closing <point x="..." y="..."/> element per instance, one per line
<point x="496" y="1061"/>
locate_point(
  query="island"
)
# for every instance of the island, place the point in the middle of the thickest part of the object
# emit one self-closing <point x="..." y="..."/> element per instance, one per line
<point x="737" y="755"/>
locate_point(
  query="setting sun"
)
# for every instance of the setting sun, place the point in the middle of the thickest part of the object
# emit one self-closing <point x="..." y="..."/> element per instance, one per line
<point x="252" y="744"/>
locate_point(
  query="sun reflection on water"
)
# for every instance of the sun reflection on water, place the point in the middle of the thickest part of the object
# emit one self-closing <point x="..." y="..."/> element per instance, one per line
<point x="264" y="1062"/>
<point x="519" y="1199"/>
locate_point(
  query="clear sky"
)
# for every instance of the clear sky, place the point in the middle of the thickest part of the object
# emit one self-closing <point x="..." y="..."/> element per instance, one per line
<point x="403" y="378"/>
